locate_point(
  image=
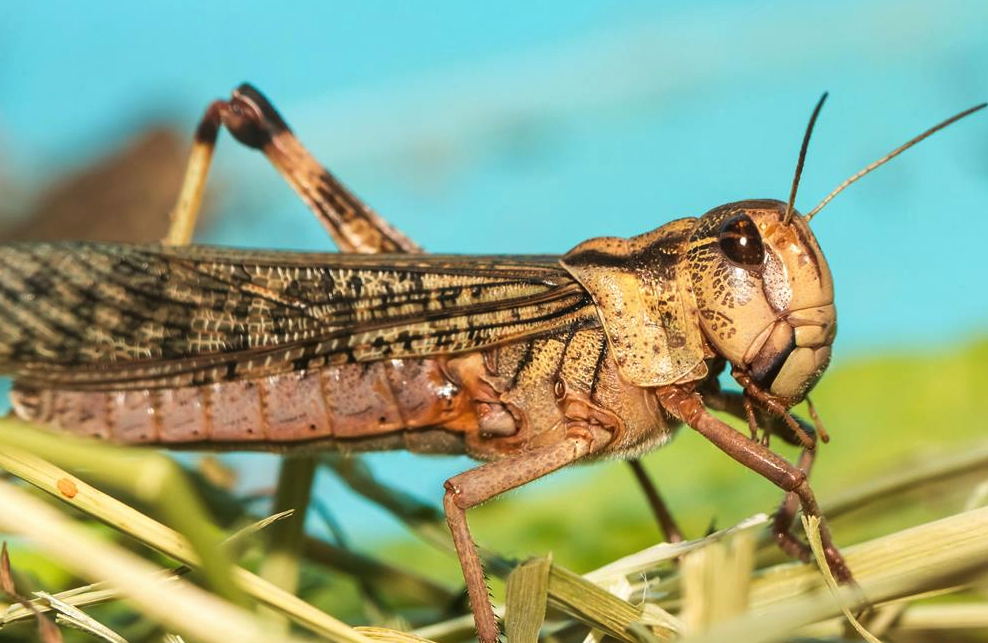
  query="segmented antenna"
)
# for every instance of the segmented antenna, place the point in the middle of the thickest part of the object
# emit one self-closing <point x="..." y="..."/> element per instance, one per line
<point x="891" y="155"/>
<point x="802" y="158"/>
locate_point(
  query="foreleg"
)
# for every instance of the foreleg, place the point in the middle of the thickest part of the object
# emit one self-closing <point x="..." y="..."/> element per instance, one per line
<point x="686" y="405"/>
<point x="735" y="403"/>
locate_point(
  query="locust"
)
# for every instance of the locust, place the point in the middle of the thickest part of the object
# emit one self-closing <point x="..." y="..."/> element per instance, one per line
<point x="529" y="363"/>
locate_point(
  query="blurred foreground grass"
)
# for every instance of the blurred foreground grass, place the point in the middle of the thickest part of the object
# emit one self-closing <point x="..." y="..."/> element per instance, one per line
<point x="888" y="416"/>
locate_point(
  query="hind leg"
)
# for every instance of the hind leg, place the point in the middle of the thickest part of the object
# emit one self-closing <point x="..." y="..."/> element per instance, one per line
<point x="253" y="121"/>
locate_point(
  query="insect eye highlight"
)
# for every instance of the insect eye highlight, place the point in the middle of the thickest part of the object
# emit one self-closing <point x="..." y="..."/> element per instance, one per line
<point x="740" y="242"/>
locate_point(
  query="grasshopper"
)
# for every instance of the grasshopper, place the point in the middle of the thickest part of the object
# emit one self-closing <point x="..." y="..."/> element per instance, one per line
<point x="529" y="363"/>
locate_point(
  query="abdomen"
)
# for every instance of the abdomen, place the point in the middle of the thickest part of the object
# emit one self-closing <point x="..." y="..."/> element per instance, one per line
<point x="349" y="402"/>
<point x="486" y="404"/>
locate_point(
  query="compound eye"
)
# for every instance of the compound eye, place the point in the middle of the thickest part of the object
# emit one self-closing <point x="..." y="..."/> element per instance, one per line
<point x="740" y="242"/>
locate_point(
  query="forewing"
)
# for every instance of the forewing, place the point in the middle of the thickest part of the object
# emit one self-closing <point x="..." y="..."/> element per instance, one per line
<point x="97" y="316"/>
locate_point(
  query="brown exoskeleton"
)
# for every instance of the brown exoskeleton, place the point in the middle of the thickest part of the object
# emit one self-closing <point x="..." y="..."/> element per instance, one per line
<point x="529" y="363"/>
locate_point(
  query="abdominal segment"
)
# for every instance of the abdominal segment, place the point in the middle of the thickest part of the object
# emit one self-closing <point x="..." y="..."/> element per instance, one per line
<point x="345" y="402"/>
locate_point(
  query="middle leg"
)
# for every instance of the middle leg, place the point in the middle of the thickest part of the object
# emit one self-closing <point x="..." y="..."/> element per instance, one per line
<point x="667" y="524"/>
<point x="473" y="487"/>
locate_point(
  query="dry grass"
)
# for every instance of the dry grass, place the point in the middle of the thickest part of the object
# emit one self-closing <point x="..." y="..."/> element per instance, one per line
<point x="924" y="579"/>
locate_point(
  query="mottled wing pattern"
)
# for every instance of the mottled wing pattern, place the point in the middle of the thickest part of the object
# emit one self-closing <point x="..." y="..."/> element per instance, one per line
<point x="92" y="315"/>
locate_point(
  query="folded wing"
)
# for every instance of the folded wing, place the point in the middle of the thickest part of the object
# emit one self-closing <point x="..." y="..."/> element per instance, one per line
<point x="86" y="315"/>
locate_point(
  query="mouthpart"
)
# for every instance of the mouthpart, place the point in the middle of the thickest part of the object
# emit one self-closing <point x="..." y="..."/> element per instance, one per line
<point x="789" y="355"/>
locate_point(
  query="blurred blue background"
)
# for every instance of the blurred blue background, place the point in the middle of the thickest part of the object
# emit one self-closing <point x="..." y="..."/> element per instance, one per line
<point x="527" y="127"/>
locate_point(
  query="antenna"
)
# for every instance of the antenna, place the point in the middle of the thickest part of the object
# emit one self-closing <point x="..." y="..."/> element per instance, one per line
<point x="802" y="158"/>
<point x="891" y="155"/>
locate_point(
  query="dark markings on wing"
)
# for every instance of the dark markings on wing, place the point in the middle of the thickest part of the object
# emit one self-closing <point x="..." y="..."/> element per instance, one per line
<point x="98" y="316"/>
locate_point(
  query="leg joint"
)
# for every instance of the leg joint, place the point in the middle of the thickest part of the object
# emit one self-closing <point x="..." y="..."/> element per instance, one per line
<point x="451" y="499"/>
<point x="794" y="480"/>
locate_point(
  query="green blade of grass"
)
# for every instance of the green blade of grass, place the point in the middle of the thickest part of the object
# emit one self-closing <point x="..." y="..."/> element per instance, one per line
<point x="922" y="473"/>
<point x="280" y="565"/>
<point x="525" y="600"/>
<point x="102" y="592"/>
<point x="420" y="517"/>
<point x="128" y="520"/>
<point x="378" y="572"/>
<point x="424" y="520"/>
<point x="148" y="476"/>
<point x="178" y="605"/>
<point x="591" y="604"/>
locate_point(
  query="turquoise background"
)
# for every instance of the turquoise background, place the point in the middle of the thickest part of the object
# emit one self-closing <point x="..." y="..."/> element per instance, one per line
<point x="524" y="127"/>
